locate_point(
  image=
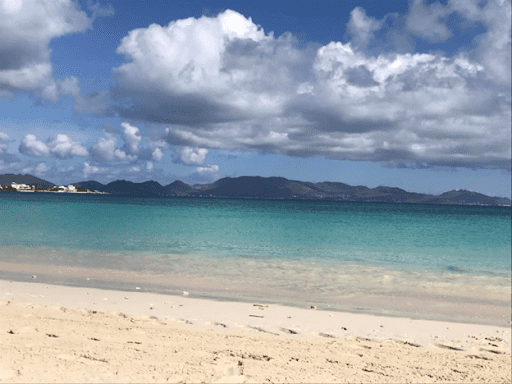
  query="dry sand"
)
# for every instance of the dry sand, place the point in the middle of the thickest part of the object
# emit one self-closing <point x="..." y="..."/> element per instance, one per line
<point x="52" y="333"/>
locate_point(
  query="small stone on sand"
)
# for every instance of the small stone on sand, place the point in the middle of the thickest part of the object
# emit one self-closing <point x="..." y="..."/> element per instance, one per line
<point x="34" y="276"/>
<point x="185" y="293"/>
<point x="313" y="307"/>
<point x="126" y="297"/>
<point x="137" y="287"/>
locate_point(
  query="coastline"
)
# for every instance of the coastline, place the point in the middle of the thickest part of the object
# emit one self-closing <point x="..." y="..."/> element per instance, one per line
<point x="40" y="317"/>
<point x="468" y="300"/>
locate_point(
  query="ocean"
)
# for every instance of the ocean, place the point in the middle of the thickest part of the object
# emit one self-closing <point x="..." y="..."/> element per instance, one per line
<point x="421" y="261"/>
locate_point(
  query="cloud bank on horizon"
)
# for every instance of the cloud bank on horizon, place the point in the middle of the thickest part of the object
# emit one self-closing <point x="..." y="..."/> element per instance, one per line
<point x="223" y="82"/>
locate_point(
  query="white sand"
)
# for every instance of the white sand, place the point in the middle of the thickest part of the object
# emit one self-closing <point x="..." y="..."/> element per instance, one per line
<point x="64" y="334"/>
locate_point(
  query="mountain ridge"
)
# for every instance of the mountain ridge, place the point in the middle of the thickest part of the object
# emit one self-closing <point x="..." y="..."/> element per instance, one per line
<point x="258" y="187"/>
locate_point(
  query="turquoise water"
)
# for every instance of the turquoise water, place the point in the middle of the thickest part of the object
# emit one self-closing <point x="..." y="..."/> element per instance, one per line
<point x="293" y="246"/>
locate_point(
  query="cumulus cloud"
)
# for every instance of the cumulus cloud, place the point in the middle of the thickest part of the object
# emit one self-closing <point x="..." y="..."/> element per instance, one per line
<point x="493" y="47"/>
<point x="62" y="147"/>
<point x="4" y="142"/>
<point x="199" y="71"/>
<point x="131" y="137"/>
<point x="206" y="174"/>
<point x="192" y="156"/>
<point x="362" y="27"/>
<point x="104" y="150"/>
<point x="106" y="156"/>
<point x="26" y="29"/>
<point x="428" y="21"/>
<point x="30" y="146"/>
<point x="41" y="168"/>
<point x="157" y="154"/>
<point x="92" y="169"/>
<point x="6" y="158"/>
<point x="221" y="82"/>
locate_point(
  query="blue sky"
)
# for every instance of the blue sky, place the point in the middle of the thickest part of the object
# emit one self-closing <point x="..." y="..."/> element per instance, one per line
<point x="413" y="94"/>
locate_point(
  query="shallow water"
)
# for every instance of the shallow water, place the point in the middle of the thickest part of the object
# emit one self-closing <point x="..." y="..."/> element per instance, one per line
<point x="422" y="261"/>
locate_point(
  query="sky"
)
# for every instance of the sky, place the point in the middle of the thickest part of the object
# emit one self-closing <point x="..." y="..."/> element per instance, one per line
<point x="413" y="94"/>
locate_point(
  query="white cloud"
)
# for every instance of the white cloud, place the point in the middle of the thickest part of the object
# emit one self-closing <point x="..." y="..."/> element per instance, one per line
<point x="131" y="137"/>
<point x="157" y="154"/>
<point x="4" y="142"/>
<point x="62" y="147"/>
<point x="104" y="149"/>
<point x="41" y="168"/>
<point x="208" y="169"/>
<point x="493" y="46"/>
<point x="205" y="63"/>
<point x="205" y="174"/>
<point x="30" y="146"/>
<point x="427" y="21"/>
<point x="210" y="83"/>
<point x="192" y="156"/>
<point x="26" y="29"/>
<point x="362" y="27"/>
<point x="91" y="169"/>
<point x="149" y="166"/>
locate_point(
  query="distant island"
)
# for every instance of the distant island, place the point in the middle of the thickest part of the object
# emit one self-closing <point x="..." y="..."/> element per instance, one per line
<point x="256" y="187"/>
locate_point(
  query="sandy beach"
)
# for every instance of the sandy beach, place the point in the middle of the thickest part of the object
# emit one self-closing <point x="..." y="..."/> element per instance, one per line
<point x="52" y="333"/>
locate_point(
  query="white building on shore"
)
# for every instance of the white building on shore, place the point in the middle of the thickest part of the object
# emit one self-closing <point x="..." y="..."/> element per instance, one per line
<point x="22" y="187"/>
<point x="55" y="189"/>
